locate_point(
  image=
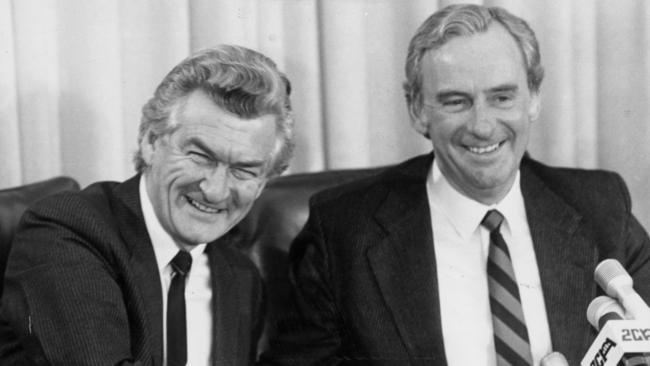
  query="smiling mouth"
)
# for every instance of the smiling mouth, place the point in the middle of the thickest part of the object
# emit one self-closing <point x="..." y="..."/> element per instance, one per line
<point x="480" y="150"/>
<point x="201" y="207"/>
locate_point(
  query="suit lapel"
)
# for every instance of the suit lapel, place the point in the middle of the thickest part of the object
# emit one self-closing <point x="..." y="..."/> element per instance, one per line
<point x="403" y="263"/>
<point x="565" y="258"/>
<point x="225" y="285"/>
<point x="225" y="303"/>
<point x="143" y="263"/>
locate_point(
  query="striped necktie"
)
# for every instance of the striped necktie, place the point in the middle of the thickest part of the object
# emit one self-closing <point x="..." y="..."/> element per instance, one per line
<point x="510" y="333"/>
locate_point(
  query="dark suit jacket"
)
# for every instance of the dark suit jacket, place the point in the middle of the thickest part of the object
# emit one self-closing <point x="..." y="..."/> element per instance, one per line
<point x="365" y="276"/>
<point x="82" y="287"/>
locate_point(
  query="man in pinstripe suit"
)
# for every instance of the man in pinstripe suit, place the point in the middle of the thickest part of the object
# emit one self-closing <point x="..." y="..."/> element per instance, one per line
<point x="92" y="278"/>
<point x="398" y="268"/>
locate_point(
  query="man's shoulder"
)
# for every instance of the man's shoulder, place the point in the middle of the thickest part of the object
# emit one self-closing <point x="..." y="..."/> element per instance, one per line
<point x="97" y="199"/>
<point x="374" y="188"/>
<point x="94" y="212"/>
<point x="566" y="174"/>
<point x="583" y="188"/>
<point x="76" y="227"/>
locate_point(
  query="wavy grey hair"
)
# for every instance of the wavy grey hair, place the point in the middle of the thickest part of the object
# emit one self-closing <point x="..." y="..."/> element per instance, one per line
<point x="237" y="79"/>
<point x="461" y="21"/>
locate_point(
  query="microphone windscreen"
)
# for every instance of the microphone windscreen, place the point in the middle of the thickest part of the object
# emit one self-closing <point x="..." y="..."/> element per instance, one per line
<point x="554" y="359"/>
<point x="610" y="274"/>
<point x="617" y="283"/>
<point x="603" y="308"/>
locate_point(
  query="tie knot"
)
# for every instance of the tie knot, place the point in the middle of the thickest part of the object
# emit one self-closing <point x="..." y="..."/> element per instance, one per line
<point x="182" y="262"/>
<point x="492" y="220"/>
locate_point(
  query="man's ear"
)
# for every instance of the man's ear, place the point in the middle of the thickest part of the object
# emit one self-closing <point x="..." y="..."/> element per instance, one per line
<point x="147" y="148"/>
<point x="419" y="122"/>
<point x="535" y="106"/>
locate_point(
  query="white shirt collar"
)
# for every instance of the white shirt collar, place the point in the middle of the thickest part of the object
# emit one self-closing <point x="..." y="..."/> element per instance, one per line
<point x="164" y="246"/>
<point x="466" y="214"/>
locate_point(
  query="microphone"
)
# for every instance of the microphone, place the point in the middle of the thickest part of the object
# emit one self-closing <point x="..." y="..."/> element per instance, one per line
<point x="554" y="359"/>
<point x="617" y="283"/>
<point x="621" y="341"/>
<point x="603" y="309"/>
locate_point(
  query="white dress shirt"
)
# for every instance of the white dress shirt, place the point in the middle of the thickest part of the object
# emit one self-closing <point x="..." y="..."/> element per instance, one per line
<point x="198" y="290"/>
<point x="461" y="249"/>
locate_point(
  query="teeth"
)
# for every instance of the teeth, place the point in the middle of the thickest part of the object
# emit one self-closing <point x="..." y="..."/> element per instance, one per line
<point x="202" y="207"/>
<point x="483" y="150"/>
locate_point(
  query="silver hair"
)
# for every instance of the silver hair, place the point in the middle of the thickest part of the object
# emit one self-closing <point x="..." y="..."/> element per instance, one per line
<point x="237" y="79"/>
<point x="461" y="21"/>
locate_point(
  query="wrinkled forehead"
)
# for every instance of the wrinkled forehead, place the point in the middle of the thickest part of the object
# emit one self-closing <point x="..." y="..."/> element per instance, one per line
<point x="199" y="117"/>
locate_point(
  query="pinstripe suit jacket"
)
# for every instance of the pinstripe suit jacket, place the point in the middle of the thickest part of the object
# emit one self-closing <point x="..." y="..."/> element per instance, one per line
<point x="365" y="275"/>
<point x="82" y="287"/>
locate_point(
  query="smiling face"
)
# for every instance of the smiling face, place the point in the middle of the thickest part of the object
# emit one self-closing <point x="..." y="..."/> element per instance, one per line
<point x="203" y="178"/>
<point x="478" y="112"/>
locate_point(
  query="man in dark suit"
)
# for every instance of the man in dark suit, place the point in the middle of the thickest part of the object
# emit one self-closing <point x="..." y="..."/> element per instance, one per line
<point x="147" y="271"/>
<point x="472" y="255"/>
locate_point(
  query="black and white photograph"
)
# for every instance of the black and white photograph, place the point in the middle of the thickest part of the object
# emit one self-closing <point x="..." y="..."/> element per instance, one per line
<point x="325" y="182"/>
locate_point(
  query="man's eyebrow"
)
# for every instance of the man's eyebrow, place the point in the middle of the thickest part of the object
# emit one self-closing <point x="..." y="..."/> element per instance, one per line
<point x="504" y="88"/>
<point x="444" y="94"/>
<point x="252" y="163"/>
<point x="200" y="144"/>
<point x="447" y="93"/>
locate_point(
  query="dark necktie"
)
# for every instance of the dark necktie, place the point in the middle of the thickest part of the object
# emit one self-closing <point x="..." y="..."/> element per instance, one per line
<point x="510" y="333"/>
<point x="176" y="328"/>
